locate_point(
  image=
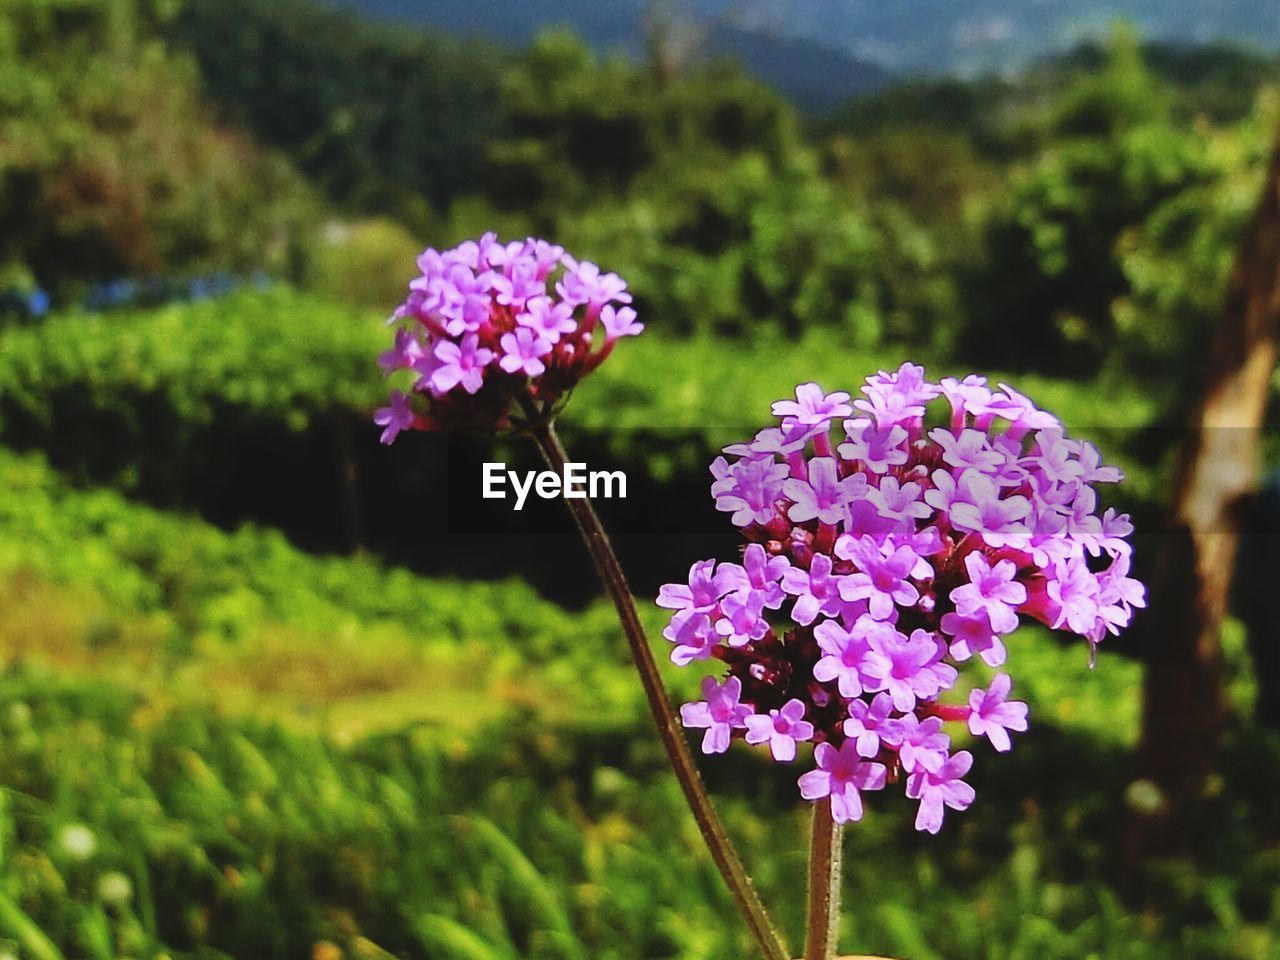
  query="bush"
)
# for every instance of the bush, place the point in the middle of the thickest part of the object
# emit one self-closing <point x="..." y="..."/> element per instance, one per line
<point x="112" y="166"/>
<point x="368" y="263"/>
<point x="256" y="406"/>
<point x="103" y="584"/>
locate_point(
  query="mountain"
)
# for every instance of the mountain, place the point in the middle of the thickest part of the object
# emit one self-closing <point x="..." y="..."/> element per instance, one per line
<point x="983" y="35"/>
<point x="848" y="39"/>
<point x="603" y="23"/>
<point x="814" y="75"/>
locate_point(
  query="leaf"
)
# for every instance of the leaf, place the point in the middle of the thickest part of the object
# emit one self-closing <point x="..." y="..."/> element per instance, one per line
<point x="527" y="880"/>
<point x="441" y="933"/>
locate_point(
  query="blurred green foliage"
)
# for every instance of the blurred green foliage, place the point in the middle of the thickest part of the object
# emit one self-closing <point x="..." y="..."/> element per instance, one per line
<point x="109" y="164"/>
<point x="132" y="389"/>
<point x="703" y="194"/>
<point x="1072" y="250"/>
<point x="366" y="262"/>
<point x="215" y="745"/>
<point x="1014" y="224"/>
<point x="87" y="574"/>
<point x="164" y="790"/>
<point x="384" y="119"/>
<point x="97" y="584"/>
<point x="240" y="839"/>
<point x="135" y="397"/>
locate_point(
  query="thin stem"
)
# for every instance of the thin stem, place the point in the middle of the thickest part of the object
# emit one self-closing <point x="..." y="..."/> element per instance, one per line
<point x="823" y="922"/>
<point x="669" y="728"/>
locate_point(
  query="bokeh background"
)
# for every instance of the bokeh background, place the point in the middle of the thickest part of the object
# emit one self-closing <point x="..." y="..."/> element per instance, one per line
<point x="270" y="690"/>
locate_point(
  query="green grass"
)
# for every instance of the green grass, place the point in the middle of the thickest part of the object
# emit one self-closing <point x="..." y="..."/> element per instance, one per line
<point x="239" y="838"/>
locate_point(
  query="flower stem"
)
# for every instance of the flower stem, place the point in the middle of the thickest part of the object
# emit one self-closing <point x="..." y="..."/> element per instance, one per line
<point x="823" y="922"/>
<point x="669" y="728"/>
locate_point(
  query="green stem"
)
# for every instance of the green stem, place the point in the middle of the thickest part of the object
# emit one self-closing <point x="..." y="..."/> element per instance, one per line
<point x="823" y="922"/>
<point x="669" y="727"/>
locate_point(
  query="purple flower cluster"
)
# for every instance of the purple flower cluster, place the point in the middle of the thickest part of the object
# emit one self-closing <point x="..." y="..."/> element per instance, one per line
<point x="486" y="322"/>
<point x="882" y="553"/>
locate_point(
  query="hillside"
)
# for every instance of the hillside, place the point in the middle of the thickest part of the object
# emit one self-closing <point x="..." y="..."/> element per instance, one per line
<point x="809" y="71"/>
<point x="931" y="36"/>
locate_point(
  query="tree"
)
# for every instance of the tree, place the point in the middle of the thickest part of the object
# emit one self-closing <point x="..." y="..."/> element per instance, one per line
<point x="1183" y="707"/>
<point x="385" y="119"/>
<point x="109" y="163"/>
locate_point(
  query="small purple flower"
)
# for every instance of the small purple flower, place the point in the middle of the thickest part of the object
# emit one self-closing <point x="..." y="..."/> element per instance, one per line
<point x="991" y="589"/>
<point x="490" y="252"/>
<point x="780" y="729"/>
<point x="970" y="449"/>
<point x="879" y="448"/>
<point x="1048" y="541"/>
<point x="522" y="351"/>
<point x="907" y="383"/>
<point x="459" y="364"/>
<point x="1054" y="458"/>
<point x="844" y="652"/>
<point x="881" y="579"/>
<point x="719" y="712"/>
<point x="922" y="745"/>
<point x="1107" y="533"/>
<point x="991" y="716"/>
<point x="619" y="322"/>
<point x="1075" y="589"/>
<point x="741" y="617"/>
<point x="891" y="407"/>
<point x="1092" y="469"/>
<point x="519" y="285"/>
<point x="406" y="352"/>
<point x="583" y="283"/>
<point x="1022" y="414"/>
<point x="756" y="486"/>
<point x="693" y="635"/>
<point x="816" y="590"/>
<point x="786" y="441"/>
<point x="706" y="585"/>
<point x="899" y="501"/>
<point x="973" y="635"/>
<point x="936" y="789"/>
<point x="841" y="774"/>
<point x="906" y="668"/>
<point x="813" y="406"/>
<point x="395" y="418"/>
<point x="968" y="396"/>
<point x="823" y="495"/>
<point x="997" y="520"/>
<point x="869" y="724"/>
<point x="1118" y="593"/>
<point x="453" y="296"/>
<point x="763" y="573"/>
<point x="548" y="319"/>
<point x="948" y="491"/>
